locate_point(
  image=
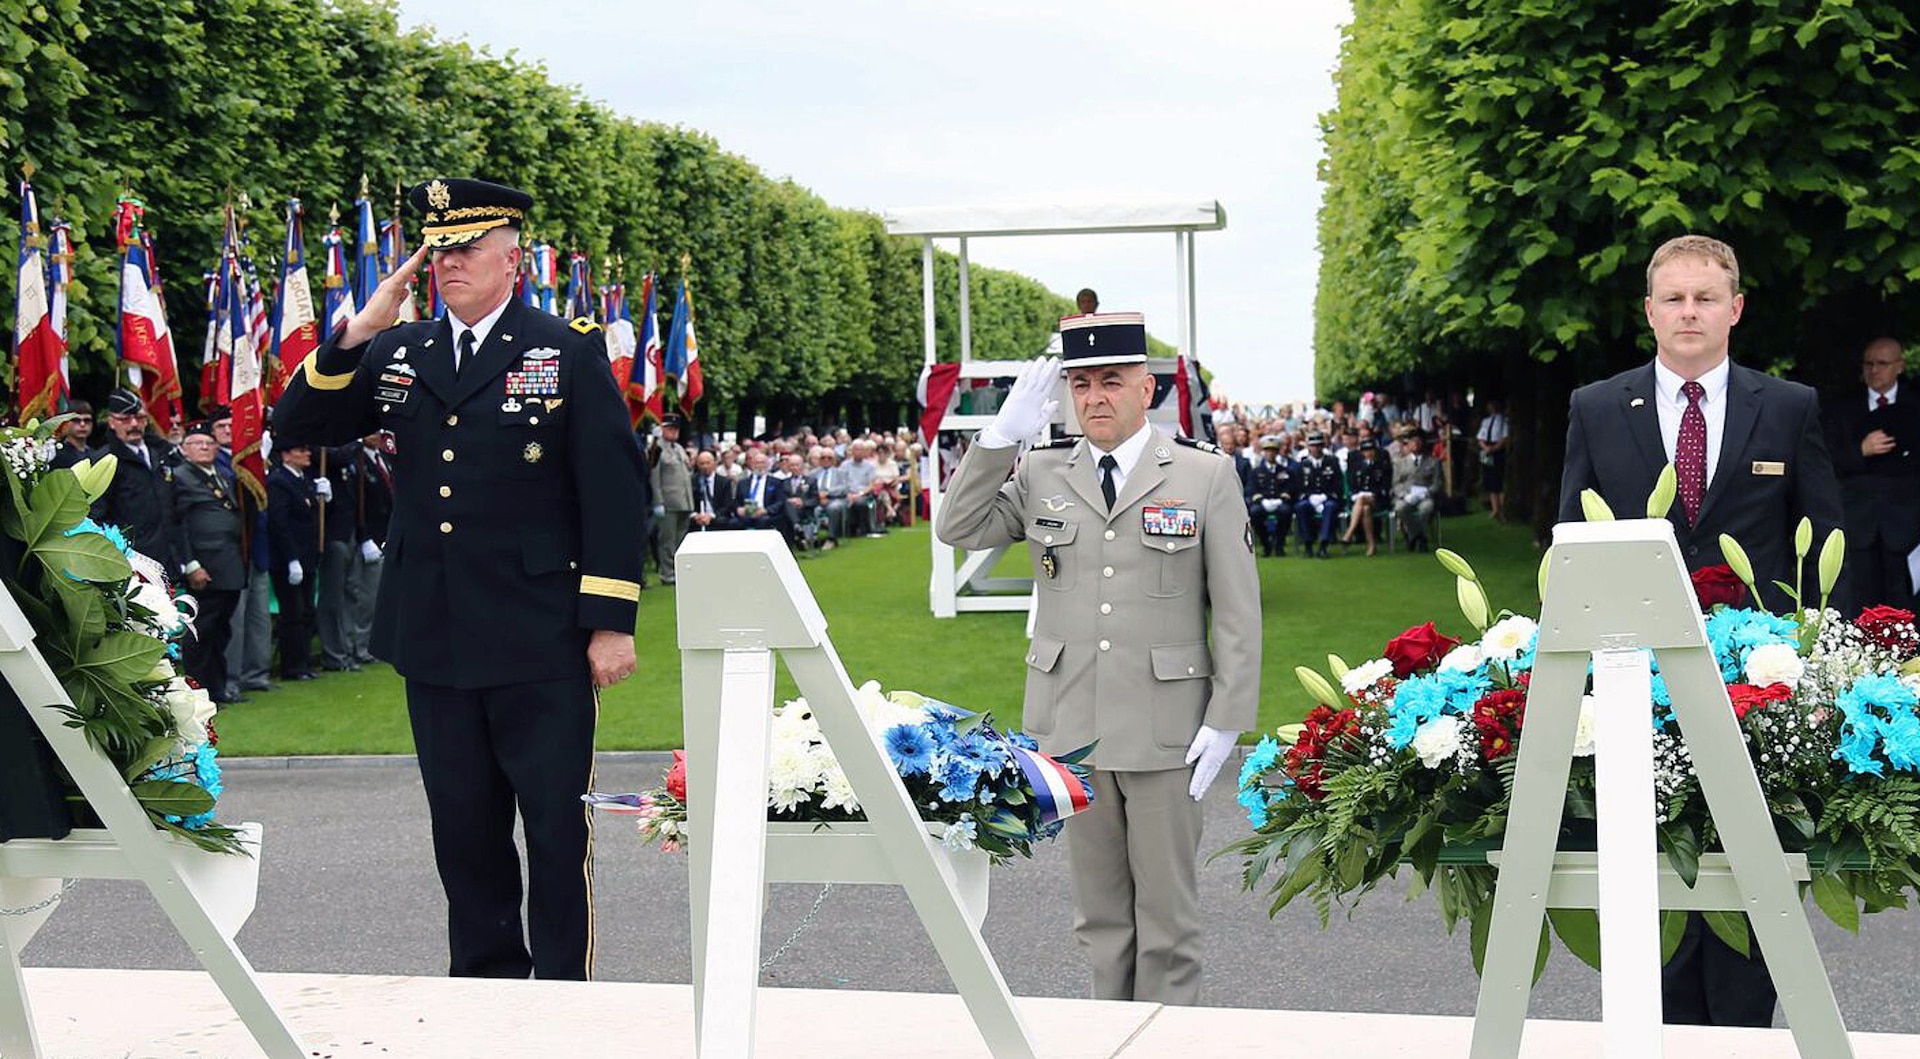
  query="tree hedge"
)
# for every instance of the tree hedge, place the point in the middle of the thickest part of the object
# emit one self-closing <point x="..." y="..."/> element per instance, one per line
<point x="1499" y="171"/>
<point x="189" y="103"/>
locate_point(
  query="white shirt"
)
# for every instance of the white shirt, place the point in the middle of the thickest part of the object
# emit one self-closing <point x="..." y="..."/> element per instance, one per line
<point x="1494" y="428"/>
<point x="1672" y="404"/>
<point x="480" y="329"/>
<point x="1126" y="455"/>
<point x="1873" y="395"/>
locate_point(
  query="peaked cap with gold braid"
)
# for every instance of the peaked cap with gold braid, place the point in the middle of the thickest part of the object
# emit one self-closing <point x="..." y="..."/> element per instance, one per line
<point x="458" y="211"/>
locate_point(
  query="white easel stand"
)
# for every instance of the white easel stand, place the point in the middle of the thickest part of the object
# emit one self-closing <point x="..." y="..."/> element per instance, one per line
<point x="1615" y="591"/>
<point x="207" y="896"/>
<point x="742" y="598"/>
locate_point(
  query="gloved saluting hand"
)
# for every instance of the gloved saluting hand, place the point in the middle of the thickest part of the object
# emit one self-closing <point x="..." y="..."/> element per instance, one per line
<point x="1207" y="753"/>
<point x="1029" y="406"/>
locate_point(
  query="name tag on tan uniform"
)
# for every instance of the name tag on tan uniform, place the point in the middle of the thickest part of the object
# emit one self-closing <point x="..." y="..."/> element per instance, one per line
<point x="1769" y="467"/>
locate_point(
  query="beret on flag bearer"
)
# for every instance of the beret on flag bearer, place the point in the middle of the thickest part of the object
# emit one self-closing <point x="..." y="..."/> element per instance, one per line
<point x="1099" y="339"/>
<point x="458" y="211"/>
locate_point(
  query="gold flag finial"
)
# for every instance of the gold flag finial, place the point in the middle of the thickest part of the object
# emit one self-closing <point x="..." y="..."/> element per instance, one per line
<point x="333" y="213"/>
<point x="686" y="263"/>
<point x="363" y="185"/>
<point x="27" y="169"/>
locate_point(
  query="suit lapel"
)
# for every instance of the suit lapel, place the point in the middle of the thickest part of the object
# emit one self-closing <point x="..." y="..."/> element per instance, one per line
<point x="502" y="347"/>
<point x="1743" y="410"/>
<point x="1643" y="418"/>
<point x="1084" y="477"/>
<point x="434" y="361"/>
<point x="1148" y="472"/>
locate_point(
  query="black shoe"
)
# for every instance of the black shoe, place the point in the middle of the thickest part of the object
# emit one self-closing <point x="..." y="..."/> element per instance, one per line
<point x="258" y="687"/>
<point x="1323" y="551"/>
<point x="336" y="667"/>
<point x="229" y="700"/>
<point x="300" y="676"/>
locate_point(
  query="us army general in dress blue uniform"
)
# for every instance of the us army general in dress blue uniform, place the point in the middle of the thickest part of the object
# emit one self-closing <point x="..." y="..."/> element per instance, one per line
<point x="1135" y="562"/>
<point x="511" y="579"/>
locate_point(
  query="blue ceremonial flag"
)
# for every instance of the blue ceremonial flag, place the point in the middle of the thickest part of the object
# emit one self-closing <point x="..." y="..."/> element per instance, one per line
<point x="579" y="287"/>
<point x="338" y="305"/>
<point x="366" y="262"/>
<point x="676" y="361"/>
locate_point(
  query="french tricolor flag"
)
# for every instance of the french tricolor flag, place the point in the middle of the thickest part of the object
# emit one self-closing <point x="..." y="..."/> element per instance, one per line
<point x="1059" y="792"/>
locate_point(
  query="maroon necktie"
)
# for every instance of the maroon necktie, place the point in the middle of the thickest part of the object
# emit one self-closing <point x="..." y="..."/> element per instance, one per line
<point x="1690" y="454"/>
<point x="1880" y="400"/>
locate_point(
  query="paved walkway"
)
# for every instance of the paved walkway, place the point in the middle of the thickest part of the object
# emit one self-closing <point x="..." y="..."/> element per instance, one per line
<point x="347" y="886"/>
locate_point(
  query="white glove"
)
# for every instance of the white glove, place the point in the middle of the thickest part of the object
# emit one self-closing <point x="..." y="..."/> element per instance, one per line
<point x="324" y="487"/>
<point x="659" y="511"/>
<point x="1272" y="504"/>
<point x="1029" y="406"/>
<point x="369" y="551"/>
<point x="1210" y="749"/>
<point x="294" y="576"/>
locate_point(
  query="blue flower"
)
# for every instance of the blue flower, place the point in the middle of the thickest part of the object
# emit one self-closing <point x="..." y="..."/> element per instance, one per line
<point x="111" y="533"/>
<point x="1879" y="712"/>
<point x="989" y="755"/>
<point x="1265" y="755"/>
<point x="957" y="776"/>
<point x="1421" y="699"/>
<point x="1023" y="741"/>
<point x="911" y="746"/>
<point x="1734" y="634"/>
<point x="945" y="712"/>
<point x="960" y="834"/>
<point x="1254" y="800"/>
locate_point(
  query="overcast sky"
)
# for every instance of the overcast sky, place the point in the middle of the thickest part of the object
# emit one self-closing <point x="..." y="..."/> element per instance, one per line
<point x="887" y="103"/>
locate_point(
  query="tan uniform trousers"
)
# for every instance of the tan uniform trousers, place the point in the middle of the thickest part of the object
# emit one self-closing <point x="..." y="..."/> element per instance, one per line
<point x="1135" y="893"/>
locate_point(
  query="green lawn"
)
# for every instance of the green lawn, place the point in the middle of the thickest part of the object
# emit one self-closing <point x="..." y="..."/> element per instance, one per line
<point x="874" y="594"/>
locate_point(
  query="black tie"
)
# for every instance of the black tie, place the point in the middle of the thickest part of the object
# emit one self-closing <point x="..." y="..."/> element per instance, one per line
<point x="466" y="352"/>
<point x="1110" y="467"/>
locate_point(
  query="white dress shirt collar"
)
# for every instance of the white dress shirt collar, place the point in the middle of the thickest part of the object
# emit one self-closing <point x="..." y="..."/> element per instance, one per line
<point x="1893" y="395"/>
<point x="1672" y="405"/>
<point x="1126" y="454"/>
<point x="481" y="328"/>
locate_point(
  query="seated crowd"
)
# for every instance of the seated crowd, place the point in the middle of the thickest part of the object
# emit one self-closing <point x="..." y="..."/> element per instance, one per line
<point x="816" y="490"/>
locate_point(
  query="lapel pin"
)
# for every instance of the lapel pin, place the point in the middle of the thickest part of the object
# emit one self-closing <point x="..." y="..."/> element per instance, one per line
<point x="1637" y="402"/>
<point x="506" y="338"/>
<point x="1161" y="453"/>
<point x="428" y="342"/>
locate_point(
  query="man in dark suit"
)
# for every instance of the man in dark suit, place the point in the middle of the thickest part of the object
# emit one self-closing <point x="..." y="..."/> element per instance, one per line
<point x="757" y="494"/>
<point x="209" y="557"/>
<point x="1323" y="488"/>
<point x="1748" y="453"/>
<point x="293" y="535"/>
<point x="795" y="501"/>
<point x="713" y="501"/>
<point x="136" y="501"/>
<point x="1875" y="439"/>
<point x="512" y="580"/>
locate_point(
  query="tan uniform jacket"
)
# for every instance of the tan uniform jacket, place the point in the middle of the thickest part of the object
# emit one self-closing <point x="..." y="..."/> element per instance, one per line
<point x="673" y="477"/>
<point x="1120" y="649"/>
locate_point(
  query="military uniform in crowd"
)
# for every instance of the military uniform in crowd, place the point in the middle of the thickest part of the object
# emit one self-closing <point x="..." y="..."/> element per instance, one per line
<point x="1273" y="488"/>
<point x="672" y="482"/>
<point x="1321" y="478"/>
<point x="207" y="517"/>
<point x="1416" y="485"/>
<point x="1120" y="654"/>
<point x="515" y="507"/>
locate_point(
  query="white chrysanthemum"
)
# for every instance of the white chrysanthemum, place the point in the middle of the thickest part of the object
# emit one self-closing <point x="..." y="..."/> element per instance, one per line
<point x="1365" y="675"/>
<point x="837" y="791"/>
<point x="794" y="723"/>
<point x="191" y="708"/>
<point x="882" y="713"/>
<point x="1506" y="638"/>
<point x="1439" y="740"/>
<point x="793" y="775"/>
<point x="1775" y="663"/>
<point x="1583" y="729"/>
<point x="1463" y="659"/>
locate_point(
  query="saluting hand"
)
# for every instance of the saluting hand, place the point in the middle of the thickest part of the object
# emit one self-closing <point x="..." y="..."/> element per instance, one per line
<point x="383" y="308"/>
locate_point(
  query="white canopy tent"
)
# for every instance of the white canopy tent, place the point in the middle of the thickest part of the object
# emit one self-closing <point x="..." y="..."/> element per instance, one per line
<point x="968" y="587"/>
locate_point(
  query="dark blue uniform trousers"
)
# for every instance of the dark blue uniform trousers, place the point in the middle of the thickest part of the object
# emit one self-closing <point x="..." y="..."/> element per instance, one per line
<point x="483" y="753"/>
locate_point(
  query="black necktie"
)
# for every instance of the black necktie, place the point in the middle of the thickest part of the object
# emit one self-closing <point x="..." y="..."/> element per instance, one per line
<point x="1109" y="467"/>
<point x="466" y="352"/>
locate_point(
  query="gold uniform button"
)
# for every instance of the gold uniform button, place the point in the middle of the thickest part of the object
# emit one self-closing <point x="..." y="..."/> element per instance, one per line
<point x="1106" y="571"/>
<point x="453" y="421"/>
<point x="446" y="527"/>
<point x="1109" y="534"/>
<point x="1106" y="645"/>
<point x="447" y="455"/>
<point x="446" y="490"/>
<point x="1106" y="608"/>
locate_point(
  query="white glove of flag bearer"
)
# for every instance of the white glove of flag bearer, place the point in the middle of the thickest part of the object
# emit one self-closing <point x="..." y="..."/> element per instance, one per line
<point x="324" y="488"/>
<point x="1207" y="753"/>
<point x="1029" y="406"/>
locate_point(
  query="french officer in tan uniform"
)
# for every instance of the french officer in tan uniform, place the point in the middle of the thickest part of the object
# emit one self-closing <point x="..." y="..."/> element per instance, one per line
<point x="1136" y="539"/>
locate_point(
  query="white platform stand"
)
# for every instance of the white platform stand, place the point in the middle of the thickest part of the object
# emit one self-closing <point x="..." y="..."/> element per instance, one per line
<point x="1615" y="591"/>
<point x="741" y="599"/>
<point x="207" y="896"/>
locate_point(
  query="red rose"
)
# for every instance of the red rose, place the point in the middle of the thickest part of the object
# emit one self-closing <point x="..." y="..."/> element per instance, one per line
<point x="1421" y="647"/>
<point x="677" y="776"/>
<point x="1890" y="627"/>
<point x="1718" y="584"/>
<point x="1747" y="697"/>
